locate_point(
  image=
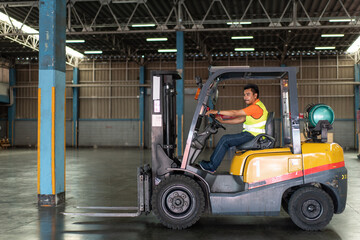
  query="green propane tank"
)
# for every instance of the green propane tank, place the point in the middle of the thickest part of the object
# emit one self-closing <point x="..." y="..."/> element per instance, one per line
<point x="320" y="112"/>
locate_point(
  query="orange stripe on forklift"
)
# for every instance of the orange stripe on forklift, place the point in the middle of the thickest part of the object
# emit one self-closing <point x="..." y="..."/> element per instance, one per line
<point x="296" y="174"/>
<point x="276" y="179"/>
<point x="324" y="168"/>
<point x="285" y="177"/>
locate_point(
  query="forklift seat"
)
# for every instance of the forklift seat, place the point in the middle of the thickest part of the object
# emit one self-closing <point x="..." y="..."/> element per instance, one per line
<point x="263" y="140"/>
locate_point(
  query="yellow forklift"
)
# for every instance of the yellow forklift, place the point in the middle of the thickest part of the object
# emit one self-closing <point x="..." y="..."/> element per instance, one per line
<point x="308" y="179"/>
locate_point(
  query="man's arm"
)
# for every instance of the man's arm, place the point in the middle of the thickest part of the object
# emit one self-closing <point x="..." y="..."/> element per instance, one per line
<point x="232" y="121"/>
<point x="229" y="113"/>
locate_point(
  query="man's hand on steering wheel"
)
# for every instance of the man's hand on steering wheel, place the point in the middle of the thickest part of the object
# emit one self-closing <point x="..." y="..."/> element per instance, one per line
<point x="216" y="121"/>
<point x="211" y="112"/>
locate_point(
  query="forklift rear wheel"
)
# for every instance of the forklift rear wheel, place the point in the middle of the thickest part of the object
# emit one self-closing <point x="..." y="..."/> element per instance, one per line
<point x="311" y="208"/>
<point x="178" y="202"/>
<point x="285" y="205"/>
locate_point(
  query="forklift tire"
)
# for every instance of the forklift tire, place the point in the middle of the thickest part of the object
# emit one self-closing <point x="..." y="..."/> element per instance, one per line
<point x="285" y="205"/>
<point x="311" y="208"/>
<point x="178" y="202"/>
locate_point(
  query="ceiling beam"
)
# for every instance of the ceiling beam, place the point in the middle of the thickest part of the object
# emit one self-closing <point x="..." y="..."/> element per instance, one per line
<point x="20" y="4"/>
<point x="336" y="27"/>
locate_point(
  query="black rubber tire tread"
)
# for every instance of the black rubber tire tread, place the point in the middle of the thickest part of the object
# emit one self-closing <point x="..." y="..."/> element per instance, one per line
<point x="285" y="205"/>
<point x="172" y="182"/>
<point x="304" y="194"/>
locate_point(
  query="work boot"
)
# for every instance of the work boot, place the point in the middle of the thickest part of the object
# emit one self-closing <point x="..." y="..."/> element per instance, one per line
<point x="205" y="166"/>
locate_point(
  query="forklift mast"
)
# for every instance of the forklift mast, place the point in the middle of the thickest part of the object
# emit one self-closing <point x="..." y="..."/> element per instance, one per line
<point x="163" y="124"/>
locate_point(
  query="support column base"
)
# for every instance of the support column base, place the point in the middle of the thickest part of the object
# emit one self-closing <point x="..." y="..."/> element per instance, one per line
<point x="51" y="200"/>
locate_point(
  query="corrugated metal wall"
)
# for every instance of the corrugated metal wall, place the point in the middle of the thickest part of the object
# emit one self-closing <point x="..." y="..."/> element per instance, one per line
<point x="112" y="93"/>
<point x="109" y="102"/>
<point x="26" y="96"/>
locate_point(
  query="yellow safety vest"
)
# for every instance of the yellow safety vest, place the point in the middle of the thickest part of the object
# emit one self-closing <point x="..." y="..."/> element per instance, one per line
<point x="256" y="126"/>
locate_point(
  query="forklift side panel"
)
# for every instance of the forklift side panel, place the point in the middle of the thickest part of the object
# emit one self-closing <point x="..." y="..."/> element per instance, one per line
<point x="226" y="183"/>
<point x="238" y="162"/>
<point x="324" y="163"/>
<point x="272" y="167"/>
<point x="321" y="156"/>
<point x="261" y="201"/>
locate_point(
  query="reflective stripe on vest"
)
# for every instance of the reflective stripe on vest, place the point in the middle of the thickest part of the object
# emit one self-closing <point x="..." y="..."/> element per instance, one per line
<point x="256" y="126"/>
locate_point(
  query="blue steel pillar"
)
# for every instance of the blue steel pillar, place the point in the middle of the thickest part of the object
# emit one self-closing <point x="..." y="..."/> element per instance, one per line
<point x="12" y="108"/>
<point x="180" y="89"/>
<point x="75" y="107"/>
<point x="51" y="103"/>
<point x="142" y="105"/>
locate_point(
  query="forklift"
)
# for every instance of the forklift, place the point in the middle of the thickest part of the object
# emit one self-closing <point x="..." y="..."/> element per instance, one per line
<point x="307" y="179"/>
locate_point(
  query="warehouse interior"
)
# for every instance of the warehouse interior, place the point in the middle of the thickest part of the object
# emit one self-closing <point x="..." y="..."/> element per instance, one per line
<point x="112" y="48"/>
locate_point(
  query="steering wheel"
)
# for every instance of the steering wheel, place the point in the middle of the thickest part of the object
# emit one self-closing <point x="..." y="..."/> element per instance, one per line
<point x="217" y="123"/>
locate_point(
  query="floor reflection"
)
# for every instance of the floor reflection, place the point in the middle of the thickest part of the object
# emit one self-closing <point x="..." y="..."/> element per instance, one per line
<point x="211" y="227"/>
<point x="51" y="223"/>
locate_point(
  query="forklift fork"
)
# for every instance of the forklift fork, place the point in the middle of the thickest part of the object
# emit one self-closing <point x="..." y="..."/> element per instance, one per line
<point x="143" y="195"/>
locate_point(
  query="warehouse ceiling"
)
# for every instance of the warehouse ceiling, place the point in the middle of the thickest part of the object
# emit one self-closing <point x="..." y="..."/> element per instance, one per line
<point x="273" y="27"/>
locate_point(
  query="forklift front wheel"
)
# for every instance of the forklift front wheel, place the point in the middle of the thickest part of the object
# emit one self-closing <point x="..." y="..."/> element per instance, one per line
<point x="311" y="208"/>
<point x="178" y="202"/>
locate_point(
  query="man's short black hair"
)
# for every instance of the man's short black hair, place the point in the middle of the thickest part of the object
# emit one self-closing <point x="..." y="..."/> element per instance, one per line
<point x="254" y="88"/>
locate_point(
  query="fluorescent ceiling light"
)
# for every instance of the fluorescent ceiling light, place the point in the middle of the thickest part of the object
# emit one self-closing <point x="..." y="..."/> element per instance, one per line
<point x="242" y="37"/>
<point x="156" y="39"/>
<point x="93" y="52"/>
<point x="244" y="49"/>
<point x="27" y="29"/>
<point x="342" y="20"/>
<point x="237" y="23"/>
<point x="355" y="46"/>
<point x="332" y="35"/>
<point x="144" y="25"/>
<point x="75" y="41"/>
<point x="166" y="50"/>
<point x="325" y="48"/>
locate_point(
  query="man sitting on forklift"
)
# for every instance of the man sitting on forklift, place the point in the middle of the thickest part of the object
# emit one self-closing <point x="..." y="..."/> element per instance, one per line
<point x="253" y="117"/>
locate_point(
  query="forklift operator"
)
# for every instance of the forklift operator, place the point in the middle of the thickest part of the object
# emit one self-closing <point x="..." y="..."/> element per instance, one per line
<point x="253" y="117"/>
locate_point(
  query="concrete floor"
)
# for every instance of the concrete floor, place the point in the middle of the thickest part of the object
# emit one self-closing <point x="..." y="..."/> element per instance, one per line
<point x="107" y="177"/>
